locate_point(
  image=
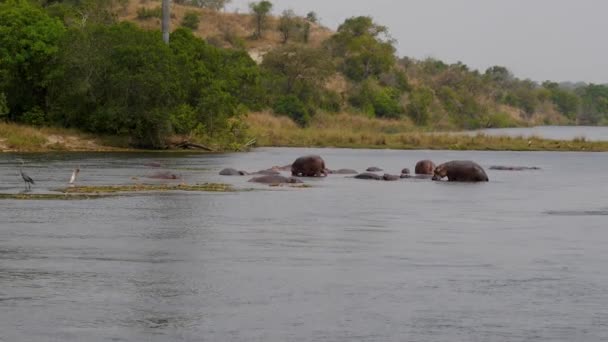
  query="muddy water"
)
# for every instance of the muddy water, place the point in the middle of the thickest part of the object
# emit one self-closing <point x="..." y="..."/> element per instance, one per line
<point x="521" y="258"/>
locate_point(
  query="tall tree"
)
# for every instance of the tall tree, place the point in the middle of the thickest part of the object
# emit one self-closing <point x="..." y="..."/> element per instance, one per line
<point x="365" y="48"/>
<point x="260" y="11"/>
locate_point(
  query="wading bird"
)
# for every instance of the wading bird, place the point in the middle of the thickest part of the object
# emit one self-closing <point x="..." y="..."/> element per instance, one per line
<point x="27" y="179"/>
<point x="74" y="175"/>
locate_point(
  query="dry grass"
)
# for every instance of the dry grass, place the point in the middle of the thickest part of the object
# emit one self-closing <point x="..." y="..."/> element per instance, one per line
<point x="217" y="26"/>
<point x="350" y="131"/>
<point x="22" y="138"/>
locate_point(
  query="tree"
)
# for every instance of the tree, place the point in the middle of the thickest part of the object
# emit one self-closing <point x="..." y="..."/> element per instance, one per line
<point x="298" y="70"/>
<point x="312" y="17"/>
<point x="288" y="25"/>
<point x="419" y="104"/>
<point x="260" y="11"/>
<point x="29" y="40"/>
<point x="365" y="48"/>
<point x="118" y="80"/>
<point x="215" y="5"/>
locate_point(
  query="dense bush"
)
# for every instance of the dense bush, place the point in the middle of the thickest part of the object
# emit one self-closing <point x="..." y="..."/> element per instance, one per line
<point x="291" y="106"/>
<point x="191" y="20"/>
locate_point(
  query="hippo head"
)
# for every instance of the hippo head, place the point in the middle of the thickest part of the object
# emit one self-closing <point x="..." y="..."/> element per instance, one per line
<point x="440" y="172"/>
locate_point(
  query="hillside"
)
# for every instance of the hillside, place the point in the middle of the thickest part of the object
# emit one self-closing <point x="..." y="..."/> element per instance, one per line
<point x="224" y="29"/>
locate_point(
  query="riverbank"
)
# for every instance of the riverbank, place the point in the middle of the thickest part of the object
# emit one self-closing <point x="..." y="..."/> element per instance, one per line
<point x="23" y="138"/>
<point x="349" y="131"/>
<point x="343" y="131"/>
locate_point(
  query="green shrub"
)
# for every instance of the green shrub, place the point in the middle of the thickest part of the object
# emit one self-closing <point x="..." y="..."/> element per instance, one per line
<point x="146" y="13"/>
<point x="183" y="119"/>
<point x="3" y="107"/>
<point x="291" y="106"/>
<point x="191" y="20"/>
<point x="34" y="117"/>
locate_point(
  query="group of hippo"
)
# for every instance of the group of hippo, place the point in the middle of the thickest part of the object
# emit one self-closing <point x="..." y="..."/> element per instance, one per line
<point x="314" y="166"/>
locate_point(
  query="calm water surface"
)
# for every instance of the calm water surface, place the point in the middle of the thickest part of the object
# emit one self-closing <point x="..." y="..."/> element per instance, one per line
<point x="521" y="258"/>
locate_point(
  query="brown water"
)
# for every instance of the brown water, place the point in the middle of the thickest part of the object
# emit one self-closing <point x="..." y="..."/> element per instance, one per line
<point x="521" y="258"/>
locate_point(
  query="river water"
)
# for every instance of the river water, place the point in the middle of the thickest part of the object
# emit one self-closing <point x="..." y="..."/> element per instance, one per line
<point x="520" y="258"/>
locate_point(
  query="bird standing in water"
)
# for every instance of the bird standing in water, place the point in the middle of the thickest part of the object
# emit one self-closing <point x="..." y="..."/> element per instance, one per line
<point x="26" y="179"/>
<point x="74" y="175"/>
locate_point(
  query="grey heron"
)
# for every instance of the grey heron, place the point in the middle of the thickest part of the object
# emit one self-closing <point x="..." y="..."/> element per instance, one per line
<point x="26" y="179"/>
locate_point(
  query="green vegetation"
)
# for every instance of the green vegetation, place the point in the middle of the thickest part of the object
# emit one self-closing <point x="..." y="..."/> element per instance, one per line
<point x="352" y="131"/>
<point x="75" y="65"/>
<point x="191" y="20"/>
<point x="109" y="189"/>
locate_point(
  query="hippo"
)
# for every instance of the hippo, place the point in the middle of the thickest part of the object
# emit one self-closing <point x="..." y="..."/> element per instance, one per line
<point x="374" y="169"/>
<point x="309" y="166"/>
<point x="232" y="172"/>
<point x="152" y="164"/>
<point x="368" y="175"/>
<point x="267" y="172"/>
<point x="164" y="175"/>
<point x="388" y="177"/>
<point x="424" y="167"/>
<point x="281" y="168"/>
<point x="342" y="172"/>
<point x="460" y="171"/>
<point x="405" y="171"/>
<point x="275" y="179"/>
<point x="513" y="168"/>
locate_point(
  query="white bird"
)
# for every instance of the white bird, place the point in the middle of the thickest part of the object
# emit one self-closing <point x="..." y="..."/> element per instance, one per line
<point x="74" y="175"/>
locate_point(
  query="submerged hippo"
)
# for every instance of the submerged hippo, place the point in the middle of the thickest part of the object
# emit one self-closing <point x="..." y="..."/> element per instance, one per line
<point x="275" y="179"/>
<point x="460" y="171"/>
<point x="268" y="172"/>
<point x="424" y="167"/>
<point x="513" y="168"/>
<point x="164" y="175"/>
<point x="388" y="177"/>
<point x="342" y="172"/>
<point x="405" y="171"/>
<point x="368" y="175"/>
<point x="309" y="166"/>
<point x="232" y="172"/>
<point x="281" y="168"/>
<point x="374" y="169"/>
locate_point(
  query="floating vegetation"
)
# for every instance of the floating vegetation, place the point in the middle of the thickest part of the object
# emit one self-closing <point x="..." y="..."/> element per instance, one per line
<point x="108" y="189"/>
<point x="62" y="196"/>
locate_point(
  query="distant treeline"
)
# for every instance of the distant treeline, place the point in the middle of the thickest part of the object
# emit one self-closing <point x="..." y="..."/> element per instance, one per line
<point x="71" y="63"/>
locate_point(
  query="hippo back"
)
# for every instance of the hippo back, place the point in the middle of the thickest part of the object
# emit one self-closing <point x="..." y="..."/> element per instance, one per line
<point x="465" y="171"/>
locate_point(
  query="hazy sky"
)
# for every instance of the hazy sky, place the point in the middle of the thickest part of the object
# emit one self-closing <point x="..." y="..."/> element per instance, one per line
<point x="560" y="40"/>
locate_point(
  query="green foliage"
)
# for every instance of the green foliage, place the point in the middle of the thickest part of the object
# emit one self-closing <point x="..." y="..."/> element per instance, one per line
<point x="418" y="108"/>
<point x="146" y="13"/>
<point x="364" y="47"/>
<point x="377" y="100"/>
<point x="292" y="106"/>
<point x="567" y="102"/>
<point x="260" y="11"/>
<point x="298" y="70"/>
<point x="117" y="80"/>
<point x="3" y="107"/>
<point x="219" y="84"/>
<point x="35" y="117"/>
<point x="312" y="17"/>
<point x="594" y="100"/>
<point x="28" y="44"/>
<point x="191" y="20"/>
<point x="215" y="5"/>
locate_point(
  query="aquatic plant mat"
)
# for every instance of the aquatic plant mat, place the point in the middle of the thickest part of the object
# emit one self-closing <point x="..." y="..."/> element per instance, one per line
<point x="109" y="189"/>
<point x="102" y="191"/>
<point x="63" y="196"/>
